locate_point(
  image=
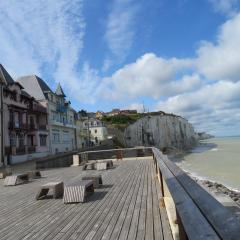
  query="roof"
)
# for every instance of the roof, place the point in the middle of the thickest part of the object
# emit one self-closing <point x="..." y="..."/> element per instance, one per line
<point x="59" y="91"/>
<point x="35" y="86"/>
<point x="24" y="93"/>
<point x="5" y="76"/>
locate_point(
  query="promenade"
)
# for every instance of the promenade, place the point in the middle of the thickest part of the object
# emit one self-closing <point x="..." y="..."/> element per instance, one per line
<point x="126" y="207"/>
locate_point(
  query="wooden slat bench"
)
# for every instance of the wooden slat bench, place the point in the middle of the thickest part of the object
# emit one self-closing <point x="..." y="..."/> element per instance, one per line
<point x="4" y="174"/>
<point x="97" y="180"/>
<point x="89" y="166"/>
<point x="78" y="191"/>
<point x="103" y="165"/>
<point x="55" y="187"/>
<point x="16" y="179"/>
<point x="34" y="174"/>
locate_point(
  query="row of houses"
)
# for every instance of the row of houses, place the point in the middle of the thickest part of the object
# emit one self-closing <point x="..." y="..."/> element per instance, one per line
<point x="36" y="121"/>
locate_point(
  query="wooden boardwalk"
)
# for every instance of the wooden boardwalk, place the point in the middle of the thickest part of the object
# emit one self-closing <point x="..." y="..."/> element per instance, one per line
<point x="126" y="207"/>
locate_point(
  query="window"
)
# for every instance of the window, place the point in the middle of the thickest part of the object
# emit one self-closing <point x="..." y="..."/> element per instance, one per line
<point x="56" y="137"/>
<point x="43" y="140"/>
<point x="95" y="131"/>
<point x="21" y="140"/>
<point x="13" y="140"/>
<point x="66" y="137"/>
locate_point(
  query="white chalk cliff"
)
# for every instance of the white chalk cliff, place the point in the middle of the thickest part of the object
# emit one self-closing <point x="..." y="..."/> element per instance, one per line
<point x="163" y="131"/>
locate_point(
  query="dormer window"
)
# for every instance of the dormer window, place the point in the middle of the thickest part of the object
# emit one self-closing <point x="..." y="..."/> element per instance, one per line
<point x="14" y="95"/>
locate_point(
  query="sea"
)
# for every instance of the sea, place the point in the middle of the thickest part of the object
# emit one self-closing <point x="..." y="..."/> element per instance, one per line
<point x="215" y="159"/>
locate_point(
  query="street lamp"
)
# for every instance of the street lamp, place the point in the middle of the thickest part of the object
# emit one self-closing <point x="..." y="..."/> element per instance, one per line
<point x="2" y="82"/>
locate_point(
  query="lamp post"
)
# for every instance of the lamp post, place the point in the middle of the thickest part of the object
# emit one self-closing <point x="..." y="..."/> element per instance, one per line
<point x="88" y="131"/>
<point x="1" y="119"/>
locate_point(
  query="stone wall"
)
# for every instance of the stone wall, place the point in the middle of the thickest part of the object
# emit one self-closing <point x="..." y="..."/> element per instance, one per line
<point x="163" y="131"/>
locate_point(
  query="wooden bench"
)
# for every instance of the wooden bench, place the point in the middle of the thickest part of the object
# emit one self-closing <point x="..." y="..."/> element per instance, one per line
<point x="34" y="174"/>
<point x="97" y="180"/>
<point x="78" y="191"/>
<point x="16" y="179"/>
<point x="4" y="174"/>
<point x="103" y="165"/>
<point x="55" y="187"/>
<point x="89" y="166"/>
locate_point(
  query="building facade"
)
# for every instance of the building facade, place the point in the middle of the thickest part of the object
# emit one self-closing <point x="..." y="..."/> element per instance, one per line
<point x="61" y="116"/>
<point x="97" y="132"/>
<point x="25" y="130"/>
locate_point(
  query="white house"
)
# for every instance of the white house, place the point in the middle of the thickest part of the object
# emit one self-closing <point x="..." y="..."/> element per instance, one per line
<point x="97" y="131"/>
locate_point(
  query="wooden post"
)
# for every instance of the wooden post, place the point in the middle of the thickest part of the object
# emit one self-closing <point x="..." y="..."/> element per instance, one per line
<point x="182" y="233"/>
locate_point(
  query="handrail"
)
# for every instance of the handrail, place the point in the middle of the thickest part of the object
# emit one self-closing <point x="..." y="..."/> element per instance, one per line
<point x="199" y="215"/>
<point x="194" y="204"/>
<point x="118" y="149"/>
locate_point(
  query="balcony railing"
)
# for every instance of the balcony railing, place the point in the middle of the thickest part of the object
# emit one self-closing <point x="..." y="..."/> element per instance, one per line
<point x="17" y="125"/>
<point x="32" y="126"/>
<point x="38" y="108"/>
<point x="24" y="126"/>
<point x="42" y="127"/>
<point x="31" y="149"/>
<point x="20" y="150"/>
<point x="61" y="108"/>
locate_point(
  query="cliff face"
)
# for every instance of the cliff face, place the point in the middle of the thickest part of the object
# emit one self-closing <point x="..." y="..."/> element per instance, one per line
<point x="163" y="131"/>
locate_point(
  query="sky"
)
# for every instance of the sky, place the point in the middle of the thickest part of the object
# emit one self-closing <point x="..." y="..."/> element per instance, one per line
<point x="178" y="56"/>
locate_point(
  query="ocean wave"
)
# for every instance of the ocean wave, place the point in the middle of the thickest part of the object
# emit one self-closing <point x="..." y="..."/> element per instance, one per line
<point x="214" y="149"/>
<point x="195" y="175"/>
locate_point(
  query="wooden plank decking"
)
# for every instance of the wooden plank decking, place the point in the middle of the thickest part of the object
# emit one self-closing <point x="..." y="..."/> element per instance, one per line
<point x="126" y="207"/>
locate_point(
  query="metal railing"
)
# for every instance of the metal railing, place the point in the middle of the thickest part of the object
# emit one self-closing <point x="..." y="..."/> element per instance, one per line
<point x="20" y="150"/>
<point x="31" y="149"/>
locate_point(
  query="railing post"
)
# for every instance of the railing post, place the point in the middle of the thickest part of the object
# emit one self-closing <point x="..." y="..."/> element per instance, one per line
<point x="182" y="233"/>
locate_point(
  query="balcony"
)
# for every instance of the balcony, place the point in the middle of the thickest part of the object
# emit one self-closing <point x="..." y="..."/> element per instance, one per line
<point x="17" y="125"/>
<point x="38" y="108"/>
<point x="20" y="150"/>
<point x="63" y="123"/>
<point x="32" y="126"/>
<point x="42" y="127"/>
<point x="31" y="149"/>
<point x="61" y="108"/>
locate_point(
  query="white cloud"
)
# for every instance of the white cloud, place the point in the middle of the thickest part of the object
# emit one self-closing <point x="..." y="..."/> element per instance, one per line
<point x="136" y="106"/>
<point x="84" y="90"/>
<point x="149" y="76"/>
<point x="120" y="29"/>
<point x="154" y="76"/>
<point x="209" y="108"/>
<point x="228" y="7"/>
<point x="38" y="37"/>
<point x="221" y="61"/>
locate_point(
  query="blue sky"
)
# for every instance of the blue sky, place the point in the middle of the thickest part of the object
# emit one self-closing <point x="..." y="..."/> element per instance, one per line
<point x="179" y="56"/>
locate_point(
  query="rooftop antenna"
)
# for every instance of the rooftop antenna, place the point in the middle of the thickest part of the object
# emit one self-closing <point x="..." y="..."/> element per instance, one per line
<point x="144" y="107"/>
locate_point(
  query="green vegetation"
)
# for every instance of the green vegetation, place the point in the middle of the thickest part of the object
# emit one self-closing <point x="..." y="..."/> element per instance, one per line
<point x="121" y="119"/>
